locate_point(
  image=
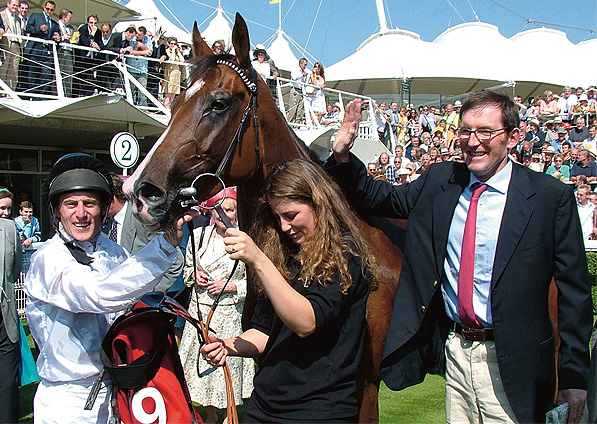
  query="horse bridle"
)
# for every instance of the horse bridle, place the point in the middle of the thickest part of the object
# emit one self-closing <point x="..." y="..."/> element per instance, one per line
<point x="188" y="194"/>
<point x="251" y="86"/>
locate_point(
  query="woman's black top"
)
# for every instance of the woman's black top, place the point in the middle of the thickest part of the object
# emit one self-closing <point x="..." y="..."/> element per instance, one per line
<point x="313" y="378"/>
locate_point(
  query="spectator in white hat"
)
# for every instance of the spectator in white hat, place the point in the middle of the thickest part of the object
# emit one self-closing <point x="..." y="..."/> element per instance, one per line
<point x="548" y="152"/>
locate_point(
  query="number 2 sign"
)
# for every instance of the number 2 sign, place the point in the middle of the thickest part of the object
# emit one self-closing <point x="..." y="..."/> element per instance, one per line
<point x="124" y="150"/>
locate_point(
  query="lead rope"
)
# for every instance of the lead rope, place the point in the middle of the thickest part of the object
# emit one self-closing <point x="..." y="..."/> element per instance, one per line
<point x="204" y="325"/>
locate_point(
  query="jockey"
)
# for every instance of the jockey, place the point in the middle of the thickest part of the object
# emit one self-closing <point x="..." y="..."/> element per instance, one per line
<point x="79" y="281"/>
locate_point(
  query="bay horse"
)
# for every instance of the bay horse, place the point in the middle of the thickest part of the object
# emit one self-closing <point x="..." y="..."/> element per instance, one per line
<point x="224" y="101"/>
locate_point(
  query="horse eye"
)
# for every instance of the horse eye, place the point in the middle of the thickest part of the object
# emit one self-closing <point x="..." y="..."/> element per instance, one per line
<point x="219" y="104"/>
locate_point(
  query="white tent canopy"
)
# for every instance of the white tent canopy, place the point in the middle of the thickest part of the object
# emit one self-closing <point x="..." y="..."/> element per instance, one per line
<point x="218" y="29"/>
<point x="463" y="58"/>
<point x="154" y="20"/>
<point x="280" y="51"/>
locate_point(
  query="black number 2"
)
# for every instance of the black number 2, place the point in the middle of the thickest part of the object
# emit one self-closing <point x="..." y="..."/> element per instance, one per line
<point x="127" y="154"/>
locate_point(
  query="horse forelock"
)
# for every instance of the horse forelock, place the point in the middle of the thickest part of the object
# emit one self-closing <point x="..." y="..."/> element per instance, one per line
<point x="204" y="66"/>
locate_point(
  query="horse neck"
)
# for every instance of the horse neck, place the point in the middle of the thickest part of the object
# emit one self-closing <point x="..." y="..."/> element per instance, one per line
<point x="277" y="143"/>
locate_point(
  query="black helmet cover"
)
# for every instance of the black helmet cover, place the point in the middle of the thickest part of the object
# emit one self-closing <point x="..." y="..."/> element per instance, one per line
<point x="79" y="171"/>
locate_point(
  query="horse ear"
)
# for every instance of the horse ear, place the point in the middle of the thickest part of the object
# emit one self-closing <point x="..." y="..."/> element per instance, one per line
<point x="200" y="47"/>
<point x="240" y="41"/>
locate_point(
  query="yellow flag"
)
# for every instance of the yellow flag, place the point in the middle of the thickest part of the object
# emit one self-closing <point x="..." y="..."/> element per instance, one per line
<point x="274" y="1"/>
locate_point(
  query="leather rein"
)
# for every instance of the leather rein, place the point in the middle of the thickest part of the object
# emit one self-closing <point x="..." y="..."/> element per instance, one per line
<point x="189" y="199"/>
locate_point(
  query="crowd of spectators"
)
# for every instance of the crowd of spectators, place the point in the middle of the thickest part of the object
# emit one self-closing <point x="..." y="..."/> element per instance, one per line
<point x="558" y="137"/>
<point x="28" y="64"/>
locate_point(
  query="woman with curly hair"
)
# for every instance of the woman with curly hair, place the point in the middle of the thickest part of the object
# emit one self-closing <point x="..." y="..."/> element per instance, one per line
<point x="313" y="265"/>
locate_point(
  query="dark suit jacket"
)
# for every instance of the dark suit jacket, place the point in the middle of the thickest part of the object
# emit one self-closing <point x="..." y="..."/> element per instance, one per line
<point x="539" y="238"/>
<point x="35" y="21"/>
<point x="135" y="236"/>
<point x="85" y="37"/>
<point x="10" y="269"/>
<point x="114" y="43"/>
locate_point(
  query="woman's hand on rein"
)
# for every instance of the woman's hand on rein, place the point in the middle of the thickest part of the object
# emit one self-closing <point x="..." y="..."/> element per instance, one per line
<point x="201" y="278"/>
<point x="214" y="352"/>
<point x="242" y="247"/>
<point x="215" y="287"/>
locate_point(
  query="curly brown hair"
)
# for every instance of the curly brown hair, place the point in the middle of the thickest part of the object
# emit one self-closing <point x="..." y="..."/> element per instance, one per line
<point x="337" y="229"/>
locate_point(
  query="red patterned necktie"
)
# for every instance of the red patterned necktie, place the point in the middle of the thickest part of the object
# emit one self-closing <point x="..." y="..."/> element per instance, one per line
<point x="467" y="262"/>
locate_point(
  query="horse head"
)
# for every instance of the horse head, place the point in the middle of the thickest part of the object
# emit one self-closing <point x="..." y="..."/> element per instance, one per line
<point x="219" y="105"/>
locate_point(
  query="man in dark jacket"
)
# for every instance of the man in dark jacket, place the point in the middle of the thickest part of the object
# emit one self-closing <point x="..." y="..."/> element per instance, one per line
<point x="473" y="296"/>
<point x="41" y="25"/>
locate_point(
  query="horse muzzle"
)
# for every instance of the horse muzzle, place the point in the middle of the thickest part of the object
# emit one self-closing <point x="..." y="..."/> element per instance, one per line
<point x="150" y="203"/>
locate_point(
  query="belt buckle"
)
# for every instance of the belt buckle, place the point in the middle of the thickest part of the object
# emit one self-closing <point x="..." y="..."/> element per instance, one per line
<point x="471" y="334"/>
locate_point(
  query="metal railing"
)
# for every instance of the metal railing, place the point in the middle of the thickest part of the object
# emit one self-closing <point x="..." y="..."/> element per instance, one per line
<point x="305" y="118"/>
<point x="54" y="71"/>
<point x="59" y="71"/>
<point x="20" y="295"/>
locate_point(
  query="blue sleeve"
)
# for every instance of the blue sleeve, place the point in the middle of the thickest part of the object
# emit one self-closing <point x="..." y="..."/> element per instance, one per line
<point x="19" y="225"/>
<point x="36" y="230"/>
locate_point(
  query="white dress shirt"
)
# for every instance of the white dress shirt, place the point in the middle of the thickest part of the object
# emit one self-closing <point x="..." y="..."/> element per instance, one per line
<point x="490" y="211"/>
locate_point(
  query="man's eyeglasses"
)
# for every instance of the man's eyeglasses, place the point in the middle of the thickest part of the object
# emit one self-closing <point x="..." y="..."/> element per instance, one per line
<point x="50" y="9"/>
<point x="482" y="135"/>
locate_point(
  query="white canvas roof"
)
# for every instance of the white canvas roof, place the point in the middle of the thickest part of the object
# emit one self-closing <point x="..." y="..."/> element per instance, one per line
<point x="218" y="29"/>
<point x="545" y="41"/>
<point x="152" y="19"/>
<point x="463" y="58"/>
<point x="279" y="50"/>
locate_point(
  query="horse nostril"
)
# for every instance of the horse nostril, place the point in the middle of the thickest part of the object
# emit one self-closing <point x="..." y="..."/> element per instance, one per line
<point x="151" y="193"/>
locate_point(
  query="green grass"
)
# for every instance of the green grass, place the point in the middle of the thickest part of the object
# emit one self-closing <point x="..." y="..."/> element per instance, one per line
<point x="26" y="394"/>
<point x="423" y="403"/>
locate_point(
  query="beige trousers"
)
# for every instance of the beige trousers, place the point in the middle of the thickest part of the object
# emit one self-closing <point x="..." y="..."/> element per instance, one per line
<point x="9" y="70"/>
<point x="474" y="390"/>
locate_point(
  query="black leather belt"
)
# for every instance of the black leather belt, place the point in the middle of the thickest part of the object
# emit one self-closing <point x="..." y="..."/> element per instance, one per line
<point x="473" y="334"/>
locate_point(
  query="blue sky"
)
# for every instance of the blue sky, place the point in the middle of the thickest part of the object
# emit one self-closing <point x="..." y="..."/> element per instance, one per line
<point x="334" y="29"/>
